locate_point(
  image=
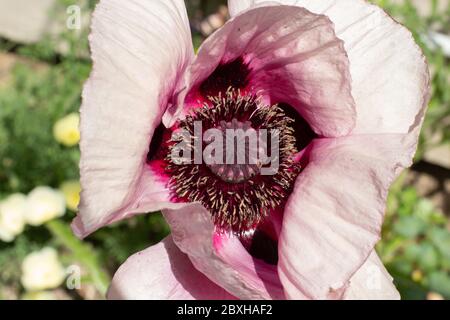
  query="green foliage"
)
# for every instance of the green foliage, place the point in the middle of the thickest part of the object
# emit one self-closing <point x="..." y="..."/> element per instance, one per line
<point x="64" y="43"/>
<point x="416" y="244"/>
<point x="28" y="110"/>
<point x="82" y="252"/>
<point x="11" y="255"/>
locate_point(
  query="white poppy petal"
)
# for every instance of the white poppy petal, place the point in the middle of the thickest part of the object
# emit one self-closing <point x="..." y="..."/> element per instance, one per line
<point x="292" y="56"/>
<point x="333" y="217"/>
<point x="221" y="257"/>
<point x="140" y="50"/>
<point x="390" y="77"/>
<point x="372" y="282"/>
<point x="162" y="272"/>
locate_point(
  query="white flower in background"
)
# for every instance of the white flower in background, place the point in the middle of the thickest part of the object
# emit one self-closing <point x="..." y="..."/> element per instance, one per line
<point x="71" y="190"/>
<point x="66" y="131"/>
<point x="434" y="296"/>
<point x="44" y="204"/>
<point x="42" y="270"/>
<point x="12" y="221"/>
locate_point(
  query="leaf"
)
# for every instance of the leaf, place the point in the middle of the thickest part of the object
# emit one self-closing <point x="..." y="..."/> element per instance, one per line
<point x="409" y="226"/>
<point x="428" y="258"/>
<point x="439" y="281"/>
<point x="409" y="290"/>
<point x="82" y="252"/>
<point x="412" y="252"/>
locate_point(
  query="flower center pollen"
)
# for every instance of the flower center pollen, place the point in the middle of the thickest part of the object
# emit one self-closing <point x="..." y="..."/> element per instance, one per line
<point x="247" y="168"/>
<point x="231" y="169"/>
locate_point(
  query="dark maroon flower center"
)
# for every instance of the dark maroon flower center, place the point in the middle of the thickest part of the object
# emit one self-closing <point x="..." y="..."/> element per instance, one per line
<point x="239" y="194"/>
<point x="233" y="171"/>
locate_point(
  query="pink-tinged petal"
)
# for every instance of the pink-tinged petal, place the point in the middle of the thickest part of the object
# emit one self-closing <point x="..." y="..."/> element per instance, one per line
<point x="292" y="56"/>
<point x="150" y="195"/>
<point x="333" y="218"/>
<point x="221" y="257"/>
<point x="390" y="78"/>
<point x="162" y="272"/>
<point x="140" y="50"/>
<point x="372" y="282"/>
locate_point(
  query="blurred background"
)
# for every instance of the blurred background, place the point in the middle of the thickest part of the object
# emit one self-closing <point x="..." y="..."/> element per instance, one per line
<point x="44" y="60"/>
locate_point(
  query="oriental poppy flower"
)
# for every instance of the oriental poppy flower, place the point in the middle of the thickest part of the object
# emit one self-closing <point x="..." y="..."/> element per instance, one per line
<point x="345" y="85"/>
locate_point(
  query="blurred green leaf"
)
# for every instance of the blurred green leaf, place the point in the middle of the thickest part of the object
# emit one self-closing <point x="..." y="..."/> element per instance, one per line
<point x="428" y="258"/>
<point x="441" y="239"/>
<point x="409" y="227"/>
<point x="82" y="252"/>
<point x="440" y="282"/>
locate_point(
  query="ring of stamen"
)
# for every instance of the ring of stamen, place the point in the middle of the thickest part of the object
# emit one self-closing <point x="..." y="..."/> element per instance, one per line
<point x="238" y="196"/>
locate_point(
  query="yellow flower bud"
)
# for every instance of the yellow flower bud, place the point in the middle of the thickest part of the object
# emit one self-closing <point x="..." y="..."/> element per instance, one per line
<point x="71" y="190"/>
<point x="66" y="130"/>
<point x="417" y="275"/>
